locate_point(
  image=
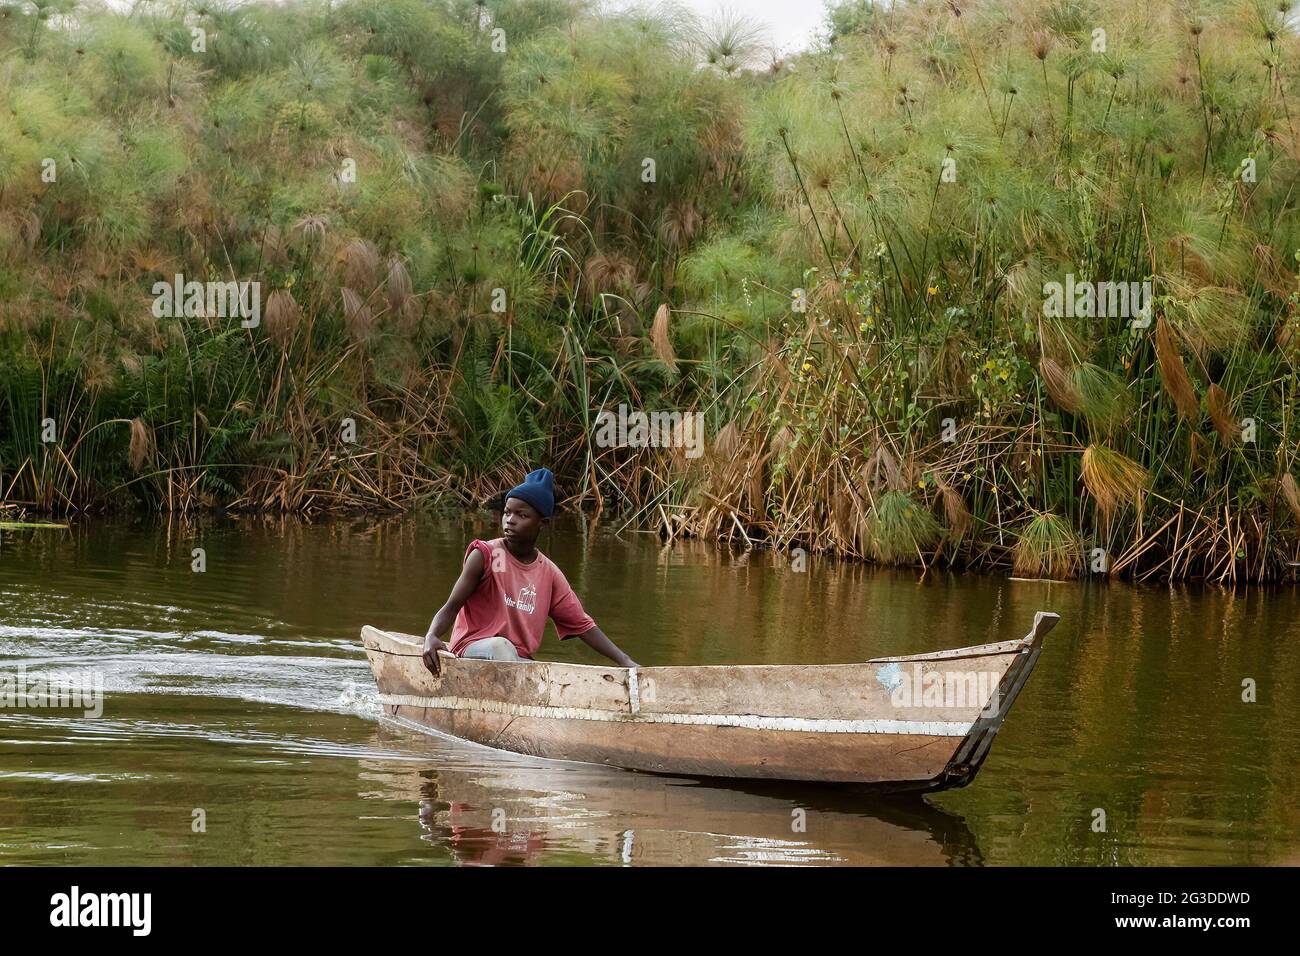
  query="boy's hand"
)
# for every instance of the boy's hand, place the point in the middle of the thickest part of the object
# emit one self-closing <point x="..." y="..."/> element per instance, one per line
<point x="432" y="646"/>
<point x="444" y="620"/>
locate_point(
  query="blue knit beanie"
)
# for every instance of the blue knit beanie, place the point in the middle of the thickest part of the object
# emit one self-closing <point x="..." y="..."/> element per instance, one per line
<point x="538" y="490"/>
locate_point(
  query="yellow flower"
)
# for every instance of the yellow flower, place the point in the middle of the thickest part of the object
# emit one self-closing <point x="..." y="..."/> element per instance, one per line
<point x="933" y="290"/>
<point x="920" y="484"/>
<point x="1003" y="375"/>
<point x="807" y="366"/>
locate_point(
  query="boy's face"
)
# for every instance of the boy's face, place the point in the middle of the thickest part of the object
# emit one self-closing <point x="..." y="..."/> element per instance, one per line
<point x="521" y="522"/>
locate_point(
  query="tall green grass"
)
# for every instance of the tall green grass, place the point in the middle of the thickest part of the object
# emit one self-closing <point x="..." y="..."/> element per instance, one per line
<point x="497" y="272"/>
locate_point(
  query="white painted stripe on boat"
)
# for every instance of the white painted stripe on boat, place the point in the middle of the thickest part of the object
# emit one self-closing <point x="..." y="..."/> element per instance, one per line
<point x="633" y="692"/>
<point x="932" y="728"/>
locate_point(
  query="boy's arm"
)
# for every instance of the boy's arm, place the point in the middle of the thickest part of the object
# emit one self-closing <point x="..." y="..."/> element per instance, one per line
<point x="597" y="640"/>
<point x="461" y="591"/>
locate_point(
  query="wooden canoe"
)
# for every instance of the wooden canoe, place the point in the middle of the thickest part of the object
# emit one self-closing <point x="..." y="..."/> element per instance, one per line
<point x="922" y="722"/>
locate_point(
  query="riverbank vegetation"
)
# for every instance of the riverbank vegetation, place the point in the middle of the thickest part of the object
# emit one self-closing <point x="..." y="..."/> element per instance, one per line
<point x="478" y="225"/>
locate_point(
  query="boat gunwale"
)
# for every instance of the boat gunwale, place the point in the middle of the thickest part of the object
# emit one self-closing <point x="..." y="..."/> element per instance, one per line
<point x="1015" y="646"/>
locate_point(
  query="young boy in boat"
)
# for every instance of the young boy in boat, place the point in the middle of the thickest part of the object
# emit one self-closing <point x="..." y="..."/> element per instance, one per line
<point x="507" y="589"/>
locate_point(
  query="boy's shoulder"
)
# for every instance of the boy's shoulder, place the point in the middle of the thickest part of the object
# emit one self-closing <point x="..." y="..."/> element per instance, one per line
<point x="489" y="550"/>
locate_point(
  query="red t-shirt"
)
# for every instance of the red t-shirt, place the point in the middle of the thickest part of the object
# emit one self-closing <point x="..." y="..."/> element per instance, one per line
<point x="513" y="600"/>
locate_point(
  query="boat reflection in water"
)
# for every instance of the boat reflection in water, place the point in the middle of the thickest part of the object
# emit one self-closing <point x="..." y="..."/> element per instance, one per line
<point x="496" y="808"/>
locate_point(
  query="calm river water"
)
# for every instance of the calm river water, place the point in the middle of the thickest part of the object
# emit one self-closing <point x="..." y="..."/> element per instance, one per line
<point x="240" y="699"/>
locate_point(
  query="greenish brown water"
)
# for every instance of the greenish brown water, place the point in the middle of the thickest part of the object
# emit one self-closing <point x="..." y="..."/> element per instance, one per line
<point x="243" y="692"/>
